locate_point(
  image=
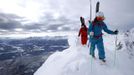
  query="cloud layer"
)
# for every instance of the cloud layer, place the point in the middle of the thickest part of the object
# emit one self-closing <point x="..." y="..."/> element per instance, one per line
<point x="21" y="16"/>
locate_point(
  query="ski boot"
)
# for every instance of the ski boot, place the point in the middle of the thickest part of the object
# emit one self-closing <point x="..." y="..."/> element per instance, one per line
<point x="103" y="60"/>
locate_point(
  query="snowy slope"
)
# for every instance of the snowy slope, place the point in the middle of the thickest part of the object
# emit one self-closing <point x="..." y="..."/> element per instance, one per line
<point x="77" y="61"/>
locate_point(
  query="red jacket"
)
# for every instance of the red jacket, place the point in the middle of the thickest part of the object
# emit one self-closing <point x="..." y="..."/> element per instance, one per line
<point x="83" y="33"/>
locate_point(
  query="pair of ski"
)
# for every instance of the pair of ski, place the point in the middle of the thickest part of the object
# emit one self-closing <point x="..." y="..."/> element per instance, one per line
<point x="97" y="10"/>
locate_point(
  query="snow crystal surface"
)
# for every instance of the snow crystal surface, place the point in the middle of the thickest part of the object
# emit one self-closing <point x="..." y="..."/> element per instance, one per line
<point x="76" y="60"/>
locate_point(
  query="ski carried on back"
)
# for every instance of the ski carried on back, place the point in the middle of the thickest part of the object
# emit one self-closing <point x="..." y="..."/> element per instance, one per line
<point x="97" y="6"/>
<point x="82" y="20"/>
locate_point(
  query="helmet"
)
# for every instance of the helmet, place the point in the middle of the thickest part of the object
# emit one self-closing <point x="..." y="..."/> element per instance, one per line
<point x="99" y="14"/>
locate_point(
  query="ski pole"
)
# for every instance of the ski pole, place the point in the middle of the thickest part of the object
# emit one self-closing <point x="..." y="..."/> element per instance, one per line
<point x="91" y="58"/>
<point x="115" y="49"/>
<point x="91" y="21"/>
<point x="90" y="10"/>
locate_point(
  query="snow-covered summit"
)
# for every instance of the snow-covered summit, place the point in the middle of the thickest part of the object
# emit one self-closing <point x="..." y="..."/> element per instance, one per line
<point x="76" y="60"/>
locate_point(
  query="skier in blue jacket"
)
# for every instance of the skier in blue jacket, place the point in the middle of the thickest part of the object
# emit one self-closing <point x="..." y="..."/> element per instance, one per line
<point x="95" y="33"/>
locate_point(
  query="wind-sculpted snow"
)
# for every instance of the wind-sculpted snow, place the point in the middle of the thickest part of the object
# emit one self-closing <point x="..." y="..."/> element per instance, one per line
<point x="129" y="42"/>
<point x="76" y="60"/>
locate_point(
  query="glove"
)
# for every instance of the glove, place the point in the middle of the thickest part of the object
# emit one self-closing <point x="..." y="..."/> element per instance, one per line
<point x="89" y="21"/>
<point x="91" y="33"/>
<point x="116" y="32"/>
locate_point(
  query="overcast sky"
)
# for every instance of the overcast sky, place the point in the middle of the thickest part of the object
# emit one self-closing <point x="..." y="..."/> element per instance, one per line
<point x="30" y="16"/>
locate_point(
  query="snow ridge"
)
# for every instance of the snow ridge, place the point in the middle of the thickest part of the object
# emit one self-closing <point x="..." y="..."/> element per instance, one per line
<point x="77" y="61"/>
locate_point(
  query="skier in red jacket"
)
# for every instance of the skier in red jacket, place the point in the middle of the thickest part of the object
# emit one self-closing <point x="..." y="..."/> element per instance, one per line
<point x="83" y="32"/>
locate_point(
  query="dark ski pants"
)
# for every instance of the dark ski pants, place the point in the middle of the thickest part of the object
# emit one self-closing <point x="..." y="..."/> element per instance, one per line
<point x="100" y="46"/>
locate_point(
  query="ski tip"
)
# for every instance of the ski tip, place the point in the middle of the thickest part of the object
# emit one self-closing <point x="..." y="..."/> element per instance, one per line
<point x="81" y="16"/>
<point x="97" y="6"/>
<point x="98" y="2"/>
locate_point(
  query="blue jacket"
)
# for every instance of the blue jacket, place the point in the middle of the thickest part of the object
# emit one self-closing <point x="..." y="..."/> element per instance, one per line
<point x="98" y="27"/>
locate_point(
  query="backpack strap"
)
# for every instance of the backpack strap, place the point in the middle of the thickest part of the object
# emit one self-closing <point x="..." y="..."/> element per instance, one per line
<point x="99" y="24"/>
<point x="97" y="37"/>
